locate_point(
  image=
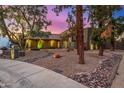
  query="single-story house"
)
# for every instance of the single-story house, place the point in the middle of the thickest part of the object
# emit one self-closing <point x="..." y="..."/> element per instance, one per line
<point x="52" y="41"/>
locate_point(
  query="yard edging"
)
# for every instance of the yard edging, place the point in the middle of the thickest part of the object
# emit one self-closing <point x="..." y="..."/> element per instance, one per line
<point x="103" y="75"/>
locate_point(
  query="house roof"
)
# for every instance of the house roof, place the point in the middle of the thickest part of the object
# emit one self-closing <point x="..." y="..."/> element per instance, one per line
<point x="52" y="36"/>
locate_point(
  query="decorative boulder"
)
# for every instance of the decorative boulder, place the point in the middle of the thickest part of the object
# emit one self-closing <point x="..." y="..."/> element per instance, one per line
<point x="56" y="56"/>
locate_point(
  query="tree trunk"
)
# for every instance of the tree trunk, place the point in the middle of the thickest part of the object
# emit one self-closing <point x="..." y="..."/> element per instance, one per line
<point x="80" y="37"/>
<point x="102" y="40"/>
<point x="22" y="37"/>
<point x="77" y="40"/>
<point x="112" y="42"/>
<point x="101" y="50"/>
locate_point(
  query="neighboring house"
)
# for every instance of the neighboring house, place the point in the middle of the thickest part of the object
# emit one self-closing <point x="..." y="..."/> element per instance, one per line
<point x="87" y="38"/>
<point x="120" y="42"/>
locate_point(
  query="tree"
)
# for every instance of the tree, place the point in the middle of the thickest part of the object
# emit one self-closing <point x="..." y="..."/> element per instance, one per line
<point x="69" y="35"/>
<point x="71" y="30"/>
<point x="4" y="27"/>
<point x="77" y="11"/>
<point x="26" y="18"/>
<point x="97" y="17"/>
<point x="101" y="17"/>
<point x="118" y="29"/>
<point x="112" y="10"/>
<point x="38" y="34"/>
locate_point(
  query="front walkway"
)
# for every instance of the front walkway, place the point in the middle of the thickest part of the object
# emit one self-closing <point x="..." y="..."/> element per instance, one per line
<point x="20" y="74"/>
<point x="119" y="79"/>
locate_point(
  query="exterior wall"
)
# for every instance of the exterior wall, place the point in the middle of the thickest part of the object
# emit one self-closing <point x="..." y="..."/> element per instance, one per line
<point x="58" y="44"/>
<point x="34" y="44"/>
<point x="65" y="44"/>
<point x="53" y="44"/>
<point x="46" y="44"/>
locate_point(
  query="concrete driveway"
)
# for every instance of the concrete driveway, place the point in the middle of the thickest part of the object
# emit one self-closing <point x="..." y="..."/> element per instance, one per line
<point x="16" y="74"/>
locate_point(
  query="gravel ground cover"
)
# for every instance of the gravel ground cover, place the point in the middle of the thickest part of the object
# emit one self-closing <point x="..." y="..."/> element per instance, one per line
<point x="94" y="73"/>
<point x="102" y="76"/>
<point x="67" y="64"/>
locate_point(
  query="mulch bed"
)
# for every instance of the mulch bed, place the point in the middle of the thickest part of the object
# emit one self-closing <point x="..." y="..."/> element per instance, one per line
<point x="102" y="76"/>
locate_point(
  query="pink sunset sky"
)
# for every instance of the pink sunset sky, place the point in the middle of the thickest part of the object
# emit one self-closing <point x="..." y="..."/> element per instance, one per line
<point x="58" y="22"/>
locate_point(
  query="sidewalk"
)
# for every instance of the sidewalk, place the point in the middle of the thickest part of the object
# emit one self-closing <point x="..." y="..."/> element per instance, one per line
<point x="21" y="74"/>
<point x="119" y="79"/>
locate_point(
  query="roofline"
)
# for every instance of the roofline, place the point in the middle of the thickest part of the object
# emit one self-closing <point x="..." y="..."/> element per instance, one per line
<point x="42" y="38"/>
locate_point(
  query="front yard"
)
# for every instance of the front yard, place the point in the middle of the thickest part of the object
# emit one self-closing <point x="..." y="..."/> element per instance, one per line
<point x="67" y="64"/>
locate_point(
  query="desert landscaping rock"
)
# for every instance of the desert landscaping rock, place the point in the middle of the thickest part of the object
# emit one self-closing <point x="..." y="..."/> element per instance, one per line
<point x="102" y="76"/>
<point x="67" y="63"/>
<point x="56" y="55"/>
